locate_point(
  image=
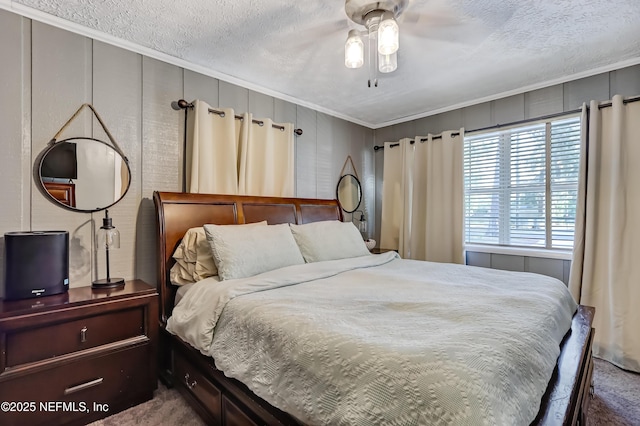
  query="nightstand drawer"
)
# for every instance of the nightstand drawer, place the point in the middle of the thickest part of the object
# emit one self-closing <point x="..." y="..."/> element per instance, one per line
<point x="198" y="386"/>
<point x="35" y="344"/>
<point x="101" y="380"/>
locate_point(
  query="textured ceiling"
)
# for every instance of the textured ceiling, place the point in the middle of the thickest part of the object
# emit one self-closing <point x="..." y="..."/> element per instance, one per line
<point x="452" y="52"/>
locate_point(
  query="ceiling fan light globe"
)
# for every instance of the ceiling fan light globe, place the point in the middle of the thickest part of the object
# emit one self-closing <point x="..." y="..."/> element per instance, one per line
<point x="387" y="63"/>
<point x="353" y="50"/>
<point x="388" y="35"/>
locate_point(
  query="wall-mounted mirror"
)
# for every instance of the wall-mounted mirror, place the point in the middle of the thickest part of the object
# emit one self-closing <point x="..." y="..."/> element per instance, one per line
<point x="349" y="193"/>
<point x="84" y="174"/>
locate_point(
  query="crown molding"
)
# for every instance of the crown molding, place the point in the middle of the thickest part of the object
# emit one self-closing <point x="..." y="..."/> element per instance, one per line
<point x="529" y="88"/>
<point x="46" y="18"/>
<point x="35" y="14"/>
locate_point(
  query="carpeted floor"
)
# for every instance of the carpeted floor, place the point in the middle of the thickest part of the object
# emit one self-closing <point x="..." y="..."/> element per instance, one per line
<point x="616" y="403"/>
<point x="166" y="408"/>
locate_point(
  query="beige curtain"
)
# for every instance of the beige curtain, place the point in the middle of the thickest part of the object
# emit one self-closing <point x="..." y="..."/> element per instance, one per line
<point x="225" y="155"/>
<point x="211" y="152"/>
<point x="605" y="271"/>
<point x="422" y="198"/>
<point x="396" y="187"/>
<point x="266" y="159"/>
<point x="437" y="203"/>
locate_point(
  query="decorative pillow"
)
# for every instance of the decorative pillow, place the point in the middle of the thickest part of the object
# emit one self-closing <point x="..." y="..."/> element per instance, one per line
<point x="193" y="256"/>
<point x="182" y="273"/>
<point x="329" y="240"/>
<point x="241" y="251"/>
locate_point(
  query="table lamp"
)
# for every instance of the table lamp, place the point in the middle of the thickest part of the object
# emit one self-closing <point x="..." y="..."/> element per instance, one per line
<point x="107" y="238"/>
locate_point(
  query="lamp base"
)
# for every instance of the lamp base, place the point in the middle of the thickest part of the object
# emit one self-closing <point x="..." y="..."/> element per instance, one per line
<point x="108" y="283"/>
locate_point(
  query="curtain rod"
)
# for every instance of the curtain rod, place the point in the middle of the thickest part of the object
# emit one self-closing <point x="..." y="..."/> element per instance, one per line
<point x="624" y="101"/>
<point x="412" y="141"/>
<point x="182" y="104"/>
<point x="515" y="123"/>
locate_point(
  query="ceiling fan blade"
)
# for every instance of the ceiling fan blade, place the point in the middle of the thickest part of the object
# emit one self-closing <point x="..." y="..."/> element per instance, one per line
<point x="321" y="29"/>
<point x="306" y="36"/>
<point x="441" y="20"/>
<point x="431" y="18"/>
<point x="465" y="33"/>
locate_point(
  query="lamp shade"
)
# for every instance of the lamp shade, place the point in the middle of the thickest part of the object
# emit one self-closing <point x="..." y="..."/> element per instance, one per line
<point x="353" y="50"/>
<point x="362" y="224"/>
<point x="388" y="35"/>
<point x="388" y="63"/>
<point x="107" y="237"/>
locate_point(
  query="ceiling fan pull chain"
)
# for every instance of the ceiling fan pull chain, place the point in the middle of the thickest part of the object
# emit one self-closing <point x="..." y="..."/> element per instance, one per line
<point x="373" y="54"/>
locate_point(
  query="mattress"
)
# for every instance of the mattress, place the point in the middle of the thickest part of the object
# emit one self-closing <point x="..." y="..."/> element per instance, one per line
<point x="182" y="290"/>
<point x="382" y="340"/>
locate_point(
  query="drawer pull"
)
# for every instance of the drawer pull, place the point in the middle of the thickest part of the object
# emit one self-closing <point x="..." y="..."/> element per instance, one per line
<point x="83" y="334"/>
<point x="186" y="381"/>
<point x="78" y="388"/>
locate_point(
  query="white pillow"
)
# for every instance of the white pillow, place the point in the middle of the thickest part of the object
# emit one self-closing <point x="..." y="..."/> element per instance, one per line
<point x="241" y="251"/>
<point x="329" y="240"/>
<point x="194" y="261"/>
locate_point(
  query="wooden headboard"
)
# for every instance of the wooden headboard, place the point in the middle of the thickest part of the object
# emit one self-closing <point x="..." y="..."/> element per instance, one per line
<point x="177" y="212"/>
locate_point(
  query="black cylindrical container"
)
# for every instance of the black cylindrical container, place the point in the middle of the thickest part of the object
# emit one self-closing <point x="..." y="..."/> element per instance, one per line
<point x="35" y="264"/>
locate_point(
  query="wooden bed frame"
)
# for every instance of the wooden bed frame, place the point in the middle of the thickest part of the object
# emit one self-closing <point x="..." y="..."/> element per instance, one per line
<point x="221" y="400"/>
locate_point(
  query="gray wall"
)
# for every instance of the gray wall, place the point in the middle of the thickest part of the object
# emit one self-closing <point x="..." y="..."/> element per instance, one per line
<point x="47" y="73"/>
<point x="556" y="268"/>
<point x="537" y="103"/>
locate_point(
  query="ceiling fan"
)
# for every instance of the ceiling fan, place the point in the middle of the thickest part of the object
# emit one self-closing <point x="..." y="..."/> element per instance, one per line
<point x="374" y="28"/>
<point x="382" y="31"/>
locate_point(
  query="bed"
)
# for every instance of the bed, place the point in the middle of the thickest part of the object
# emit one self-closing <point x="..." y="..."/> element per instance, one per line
<point x="223" y="400"/>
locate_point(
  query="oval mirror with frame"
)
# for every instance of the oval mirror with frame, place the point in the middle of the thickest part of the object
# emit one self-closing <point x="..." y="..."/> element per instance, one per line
<point x="349" y="193"/>
<point x="83" y="174"/>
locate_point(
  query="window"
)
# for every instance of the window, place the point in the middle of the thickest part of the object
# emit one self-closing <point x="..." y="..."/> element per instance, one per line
<point x="521" y="185"/>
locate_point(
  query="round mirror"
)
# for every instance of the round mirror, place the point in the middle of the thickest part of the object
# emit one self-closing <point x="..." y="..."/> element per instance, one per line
<point x="349" y="193"/>
<point x="84" y="174"/>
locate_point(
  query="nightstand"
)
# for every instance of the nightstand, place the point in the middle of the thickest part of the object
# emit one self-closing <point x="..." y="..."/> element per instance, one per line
<point x="76" y="357"/>
<point x="377" y="250"/>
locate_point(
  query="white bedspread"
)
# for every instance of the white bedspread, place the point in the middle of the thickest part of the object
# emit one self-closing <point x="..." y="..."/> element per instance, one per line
<point x="381" y="340"/>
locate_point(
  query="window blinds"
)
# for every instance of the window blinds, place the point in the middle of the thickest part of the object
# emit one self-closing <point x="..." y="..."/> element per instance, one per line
<point x="521" y="185"/>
